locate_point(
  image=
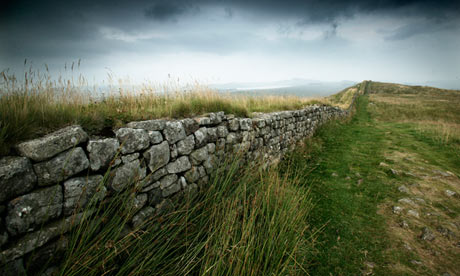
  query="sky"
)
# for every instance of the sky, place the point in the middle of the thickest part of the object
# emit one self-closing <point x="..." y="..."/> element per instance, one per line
<point x="217" y="41"/>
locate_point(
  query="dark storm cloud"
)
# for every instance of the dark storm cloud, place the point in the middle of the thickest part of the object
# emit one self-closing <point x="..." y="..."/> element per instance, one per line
<point x="72" y="29"/>
<point x="164" y="11"/>
<point x="320" y="11"/>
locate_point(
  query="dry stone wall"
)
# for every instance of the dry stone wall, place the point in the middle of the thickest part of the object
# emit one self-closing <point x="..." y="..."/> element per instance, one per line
<point x="42" y="189"/>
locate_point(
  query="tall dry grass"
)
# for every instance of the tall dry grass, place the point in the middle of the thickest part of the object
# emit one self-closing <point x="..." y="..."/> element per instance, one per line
<point x="248" y="221"/>
<point x="40" y="103"/>
<point x="434" y="112"/>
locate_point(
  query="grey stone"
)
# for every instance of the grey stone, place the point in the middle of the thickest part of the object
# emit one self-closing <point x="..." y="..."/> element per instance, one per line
<point x="139" y="201"/>
<point x="182" y="182"/>
<point x="159" y="174"/>
<point x="186" y="146"/>
<point x="222" y="131"/>
<point x="168" y="180"/>
<point x="450" y="193"/>
<point x="201" y="137"/>
<point x="38" y="238"/>
<point x="157" y="156"/>
<point x="203" y="121"/>
<point x="211" y="148"/>
<point x="180" y="165"/>
<point x="407" y="201"/>
<point x="234" y="125"/>
<point x="192" y="175"/>
<point x="80" y="191"/>
<point x="132" y="139"/>
<point x="445" y="174"/>
<point x="394" y="172"/>
<point x="174" y="132"/>
<point x="143" y="216"/>
<point x="130" y="157"/>
<point x="210" y="163"/>
<point x="216" y="118"/>
<point x="173" y="151"/>
<point x="27" y="212"/>
<point x="155" y="197"/>
<point x="172" y="189"/>
<point x="191" y="189"/>
<point x="190" y="126"/>
<point x="48" y="146"/>
<point x="413" y="213"/>
<point x="403" y="189"/>
<point x="212" y="134"/>
<point x="245" y="124"/>
<point x="397" y="209"/>
<point x="202" y="171"/>
<point x="420" y="200"/>
<point x="150" y="125"/>
<point x="260" y="123"/>
<point x="16" y="177"/>
<point x="50" y="254"/>
<point x="404" y="224"/>
<point x="61" y="167"/>
<point x="427" y="234"/>
<point x="199" y="155"/>
<point x="155" y="137"/>
<point x="102" y="152"/>
<point x="151" y="186"/>
<point x="127" y="174"/>
<point x="233" y="138"/>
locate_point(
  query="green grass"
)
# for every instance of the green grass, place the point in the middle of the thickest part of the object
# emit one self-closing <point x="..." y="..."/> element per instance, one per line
<point x="246" y="222"/>
<point x="346" y="209"/>
<point x="350" y="189"/>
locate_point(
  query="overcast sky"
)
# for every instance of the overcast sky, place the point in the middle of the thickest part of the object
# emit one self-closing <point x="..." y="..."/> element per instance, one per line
<point x="216" y="41"/>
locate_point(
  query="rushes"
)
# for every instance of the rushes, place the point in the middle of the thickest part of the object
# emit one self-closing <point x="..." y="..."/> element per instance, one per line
<point x="246" y="222"/>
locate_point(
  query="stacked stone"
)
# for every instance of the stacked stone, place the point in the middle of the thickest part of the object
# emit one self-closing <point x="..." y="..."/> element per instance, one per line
<point x="55" y="176"/>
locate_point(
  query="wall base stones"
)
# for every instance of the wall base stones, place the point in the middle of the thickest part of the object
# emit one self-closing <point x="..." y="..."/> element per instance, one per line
<point x="44" y="191"/>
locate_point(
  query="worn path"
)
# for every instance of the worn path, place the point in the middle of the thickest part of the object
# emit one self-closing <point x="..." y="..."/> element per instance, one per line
<point x="387" y="199"/>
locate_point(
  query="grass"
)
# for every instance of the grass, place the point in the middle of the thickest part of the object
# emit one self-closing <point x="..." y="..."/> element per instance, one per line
<point x="354" y="194"/>
<point x="40" y="104"/>
<point x="247" y="222"/>
<point x="339" y="166"/>
<point x="435" y="112"/>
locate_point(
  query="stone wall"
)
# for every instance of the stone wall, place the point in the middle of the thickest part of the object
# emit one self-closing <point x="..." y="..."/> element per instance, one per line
<point x="42" y="189"/>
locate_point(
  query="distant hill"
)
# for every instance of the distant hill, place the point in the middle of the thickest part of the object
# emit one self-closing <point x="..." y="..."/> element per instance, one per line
<point x="395" y="88"/>
<point x="293" y="87"/>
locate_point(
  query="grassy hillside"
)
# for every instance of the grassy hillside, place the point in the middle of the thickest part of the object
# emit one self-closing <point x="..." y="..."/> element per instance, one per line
<point x="430" y="110"/>
<point x="385" y="185"/>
